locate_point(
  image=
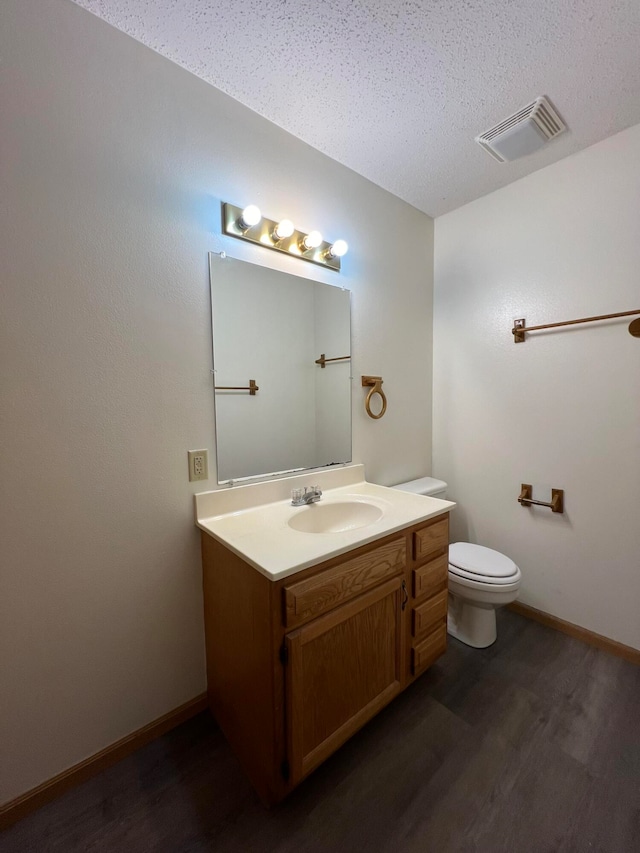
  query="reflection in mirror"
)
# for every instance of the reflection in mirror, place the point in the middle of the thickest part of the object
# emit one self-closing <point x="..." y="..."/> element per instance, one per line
<point x="271" y="327"/>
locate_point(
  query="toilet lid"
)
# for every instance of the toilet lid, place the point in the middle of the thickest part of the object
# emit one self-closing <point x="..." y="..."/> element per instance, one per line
<point x="481" y="561"/>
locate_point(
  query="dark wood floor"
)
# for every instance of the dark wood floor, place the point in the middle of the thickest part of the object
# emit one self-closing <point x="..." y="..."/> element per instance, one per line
<point x="531" y="745"/>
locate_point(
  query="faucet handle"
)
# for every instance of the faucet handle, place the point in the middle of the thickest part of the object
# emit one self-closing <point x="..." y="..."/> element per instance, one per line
<point x="296" y="495"/>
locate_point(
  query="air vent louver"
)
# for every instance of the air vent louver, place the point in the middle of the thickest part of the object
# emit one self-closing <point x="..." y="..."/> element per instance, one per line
<point x="524" y="132"/>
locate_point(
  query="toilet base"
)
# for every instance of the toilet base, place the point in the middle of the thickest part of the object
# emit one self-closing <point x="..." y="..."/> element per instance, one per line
<point x="475" y="626"/>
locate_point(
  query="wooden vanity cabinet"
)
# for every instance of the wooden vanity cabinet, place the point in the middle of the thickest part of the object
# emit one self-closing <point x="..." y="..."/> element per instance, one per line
<point x="296" y="666"/>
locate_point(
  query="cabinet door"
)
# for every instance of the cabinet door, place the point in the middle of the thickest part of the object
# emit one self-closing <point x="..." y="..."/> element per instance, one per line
<point x="342" y="669"/>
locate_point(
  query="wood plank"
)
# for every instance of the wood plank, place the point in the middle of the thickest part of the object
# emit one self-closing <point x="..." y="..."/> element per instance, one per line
<point x="425" y="653"/>
<point x="280" y="783"/>
<point x="432" y="539"/>
<point x="471" y="735"/>
<point x="343" y="667"/>
<point x="237" y="615"/>
<point x="430" y="578"/>
<point x="21" y="806"/>
<point x="307" y="599"/>
<point x="590" y="637"/>
<point x="428" y="614"/>
<point x="314" y="758"/>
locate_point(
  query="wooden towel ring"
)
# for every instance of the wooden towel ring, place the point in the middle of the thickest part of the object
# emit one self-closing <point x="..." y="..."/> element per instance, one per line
<point x="376" y="388"/>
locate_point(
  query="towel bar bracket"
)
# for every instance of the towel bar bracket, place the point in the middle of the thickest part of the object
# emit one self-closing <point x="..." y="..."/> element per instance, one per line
<point x="518" y="336"/>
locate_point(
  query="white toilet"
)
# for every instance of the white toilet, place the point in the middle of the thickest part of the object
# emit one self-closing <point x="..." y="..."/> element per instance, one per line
<point x="480" y="580"/>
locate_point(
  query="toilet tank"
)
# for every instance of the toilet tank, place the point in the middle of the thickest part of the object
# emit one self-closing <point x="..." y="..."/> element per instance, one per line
<point x="424" y="486"/>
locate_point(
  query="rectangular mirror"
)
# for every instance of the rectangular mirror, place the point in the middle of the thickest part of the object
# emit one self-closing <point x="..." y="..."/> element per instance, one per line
<point x="273" y="327"/>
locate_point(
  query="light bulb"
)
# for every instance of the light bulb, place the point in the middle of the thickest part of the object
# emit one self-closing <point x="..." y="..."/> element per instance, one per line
<point x="283" y="229"/>
<point x="250" y="216"/>
<point x="312" y="240"/>
<point x="338" y="249"/>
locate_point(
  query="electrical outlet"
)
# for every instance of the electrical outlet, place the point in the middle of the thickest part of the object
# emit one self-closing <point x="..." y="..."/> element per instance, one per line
<point x="198" y="465"/>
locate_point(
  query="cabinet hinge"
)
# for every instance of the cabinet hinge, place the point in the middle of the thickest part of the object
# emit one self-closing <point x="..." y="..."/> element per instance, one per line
<point x="284" y="769"/>
<point x="284" y="654"/>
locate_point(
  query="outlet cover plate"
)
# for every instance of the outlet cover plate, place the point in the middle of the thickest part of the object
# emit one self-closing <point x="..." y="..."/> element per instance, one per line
<point x="198" y="465"/>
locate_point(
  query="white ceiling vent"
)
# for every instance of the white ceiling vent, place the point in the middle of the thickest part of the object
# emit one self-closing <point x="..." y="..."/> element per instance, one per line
<point x="524" y="132"/>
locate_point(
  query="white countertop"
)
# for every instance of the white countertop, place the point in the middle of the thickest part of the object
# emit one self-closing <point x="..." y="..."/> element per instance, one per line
<point x="252" y="520"/>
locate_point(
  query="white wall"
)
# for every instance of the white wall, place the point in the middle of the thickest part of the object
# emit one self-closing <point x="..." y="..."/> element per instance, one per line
<point x="114" y="162"/>
<point x="562" y="409"/>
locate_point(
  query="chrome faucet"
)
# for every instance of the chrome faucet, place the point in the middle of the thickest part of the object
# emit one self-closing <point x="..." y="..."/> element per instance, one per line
<point x="310" y="495"/>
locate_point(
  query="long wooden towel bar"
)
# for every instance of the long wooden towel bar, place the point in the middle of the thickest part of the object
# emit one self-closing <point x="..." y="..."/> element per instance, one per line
<point x="520" y="326"/>
<point x="322" y="360"/>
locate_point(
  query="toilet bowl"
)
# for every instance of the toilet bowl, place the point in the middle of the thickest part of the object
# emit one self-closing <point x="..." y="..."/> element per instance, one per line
<point x="480" y="580"/>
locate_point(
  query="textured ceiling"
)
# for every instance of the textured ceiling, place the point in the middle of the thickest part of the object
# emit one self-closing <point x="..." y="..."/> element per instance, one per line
<point x="398" y="89"/>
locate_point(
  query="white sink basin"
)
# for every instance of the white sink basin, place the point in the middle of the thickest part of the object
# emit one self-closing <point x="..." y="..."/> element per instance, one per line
<point x="335" y="517"/>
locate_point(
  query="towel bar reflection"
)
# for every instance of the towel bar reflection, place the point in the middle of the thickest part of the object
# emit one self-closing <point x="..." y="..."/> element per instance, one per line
<point x="322" y="361"/>
<point x="251" y="387"/>
<point x="557" y="498"/>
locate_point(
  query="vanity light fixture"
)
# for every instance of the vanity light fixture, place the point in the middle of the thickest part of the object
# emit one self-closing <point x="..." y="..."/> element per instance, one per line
<point x="283" y="229"/>
<point x="310" y="241"/>
<point x="247" y="223"/>
<point x="249" y="217"/>
<point x="338" y="250"/>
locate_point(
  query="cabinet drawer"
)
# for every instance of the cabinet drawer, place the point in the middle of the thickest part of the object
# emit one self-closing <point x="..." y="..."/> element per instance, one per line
<point x="431" y="539"/>
<point x="429" y="650"/>
<point x="428" y="579"/>
<point x="322" y="592"/>
<point x="426" y="616"/>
